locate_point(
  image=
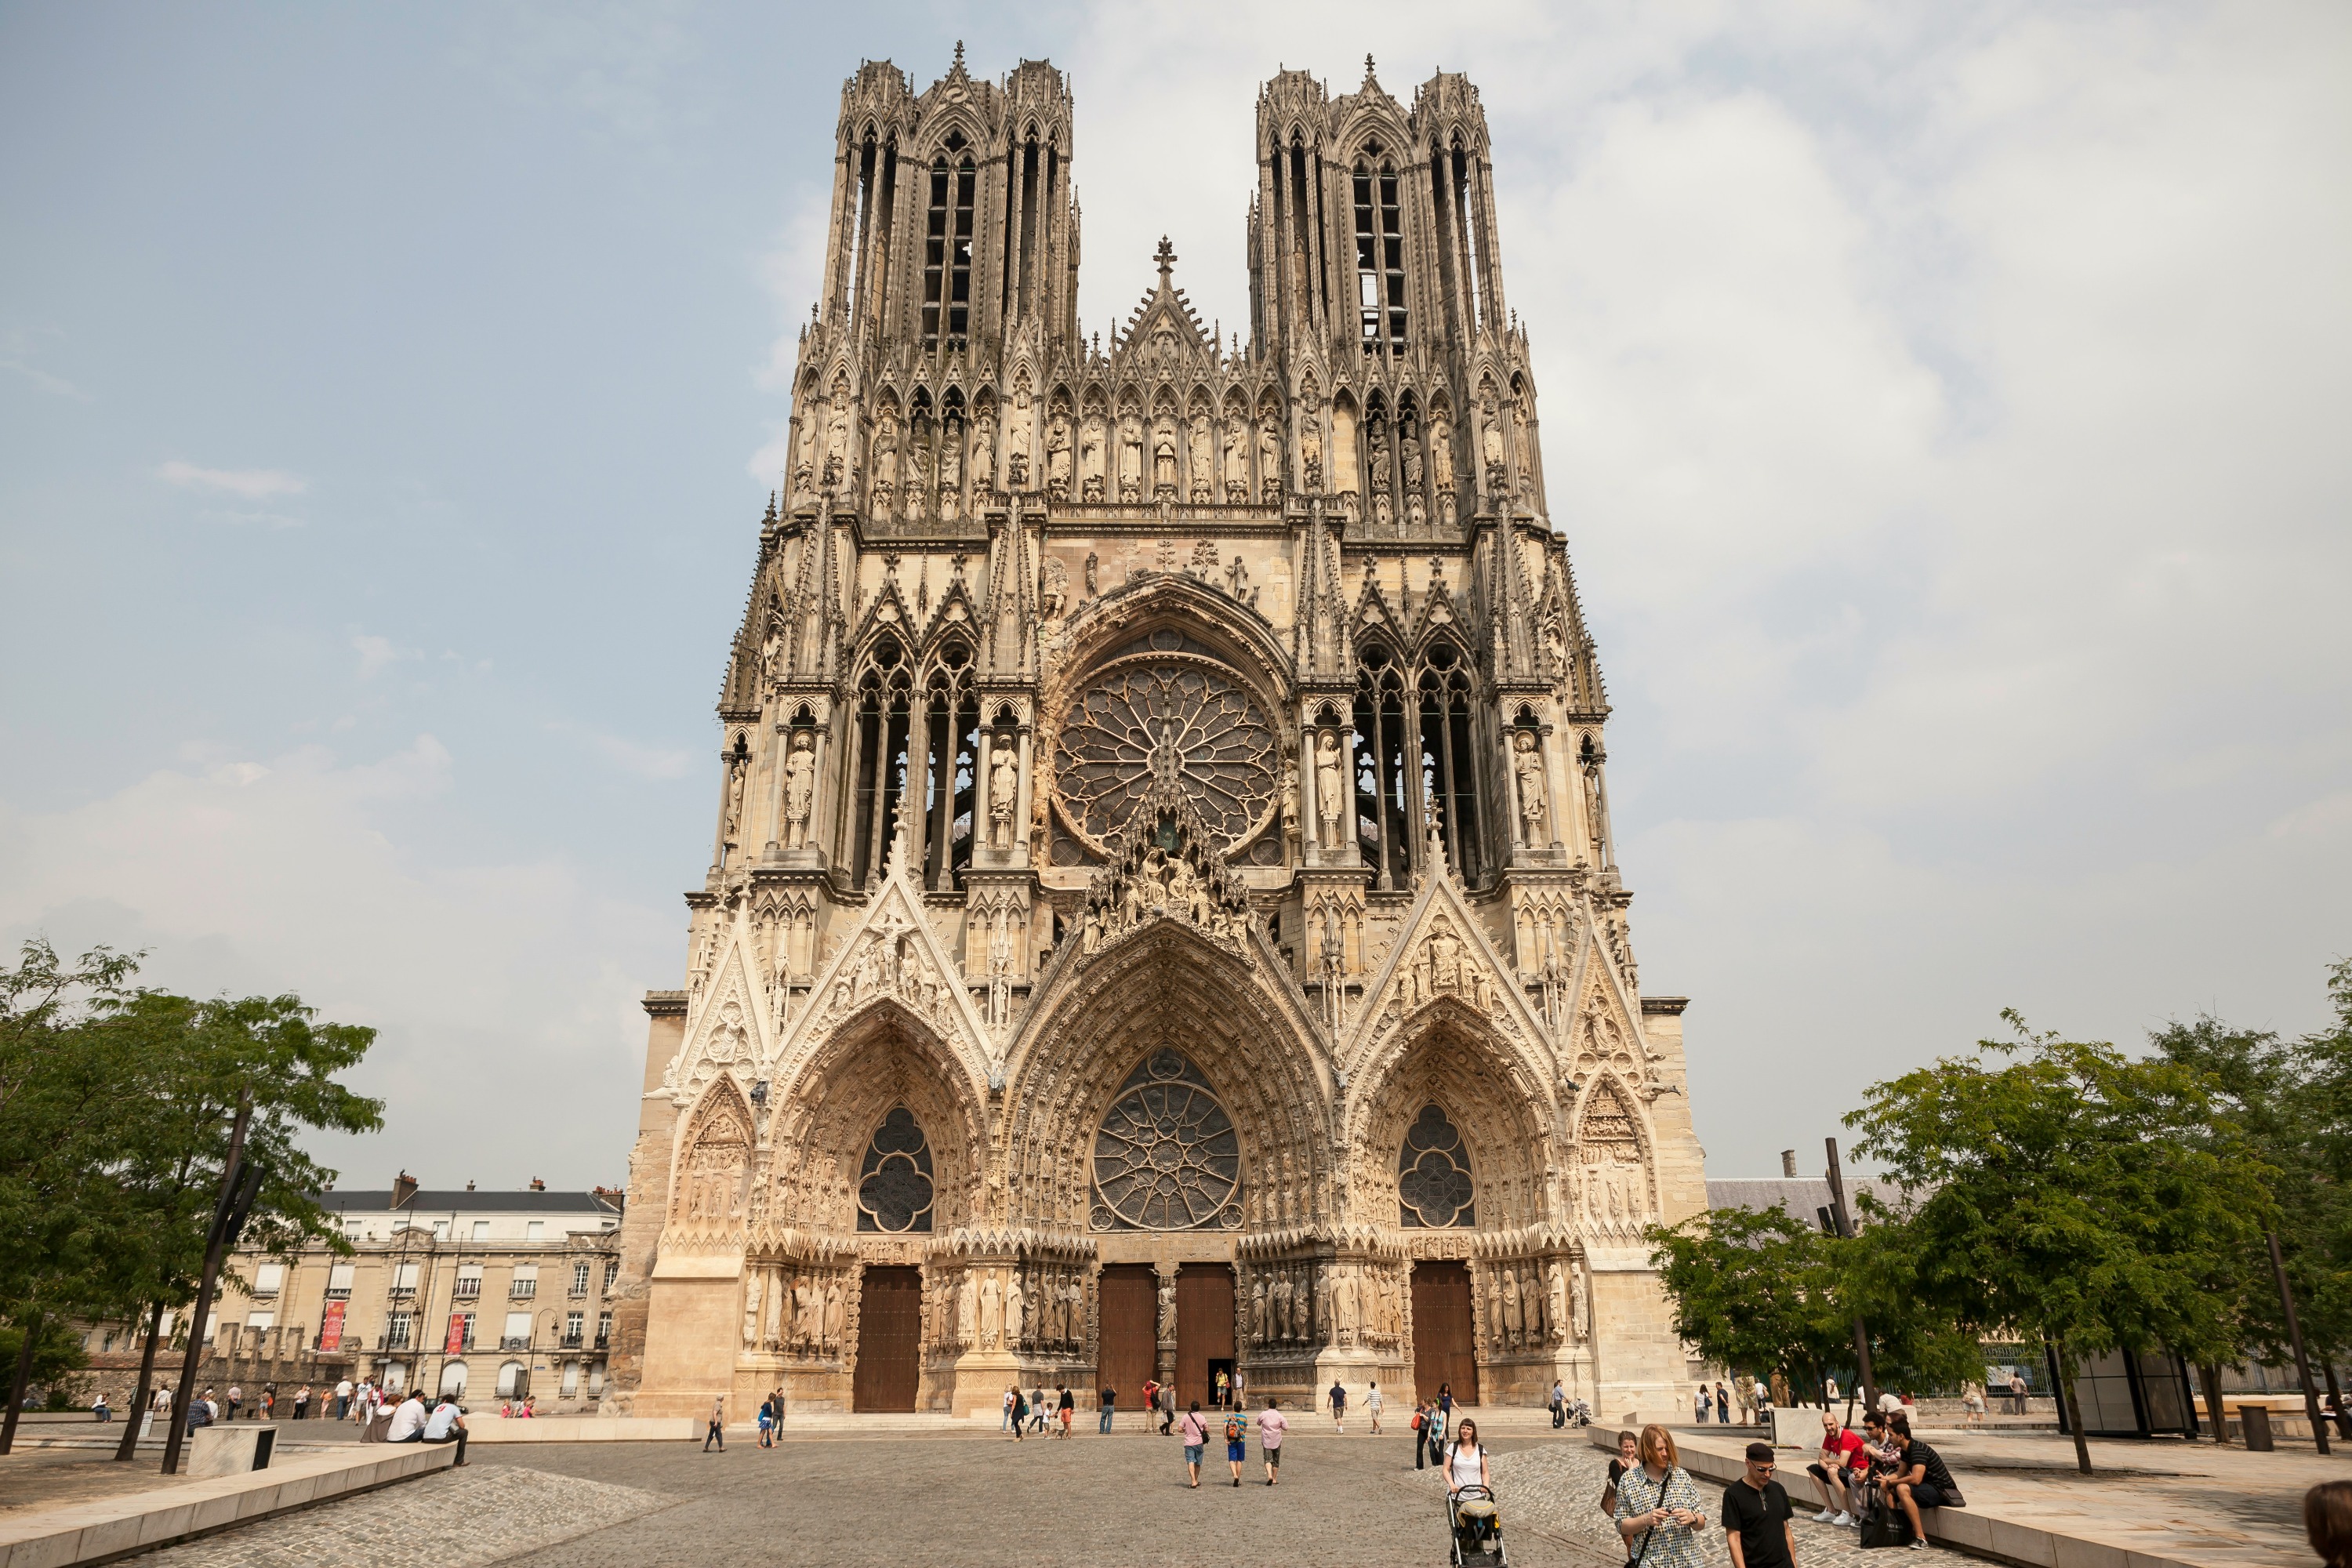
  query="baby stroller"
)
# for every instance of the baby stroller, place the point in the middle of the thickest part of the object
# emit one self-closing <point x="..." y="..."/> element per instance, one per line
<point x="1580" y="1414"/>
<point x="1477" y="1528"/>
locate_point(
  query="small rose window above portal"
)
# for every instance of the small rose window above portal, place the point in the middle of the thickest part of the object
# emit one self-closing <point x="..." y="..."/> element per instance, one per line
<point x="1433" y="1186"/>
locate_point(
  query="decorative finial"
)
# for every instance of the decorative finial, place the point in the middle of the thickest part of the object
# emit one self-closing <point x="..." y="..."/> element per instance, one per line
<point x="1368" y="68"/>
<point x="1166" y="256"/>
<point x="959" y="59"/>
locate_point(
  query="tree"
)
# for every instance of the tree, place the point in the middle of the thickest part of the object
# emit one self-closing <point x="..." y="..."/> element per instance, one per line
<point x="2072" y="1195"/>
<point x="1755" y="1288"/>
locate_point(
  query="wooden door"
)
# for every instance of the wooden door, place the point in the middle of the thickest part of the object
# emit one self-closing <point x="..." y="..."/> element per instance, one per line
<point x="1127" y="1348"/>
<point x="1443" y="1350"/>
<point x="1204" y="1327"/>
<point x="889" y="1339"/>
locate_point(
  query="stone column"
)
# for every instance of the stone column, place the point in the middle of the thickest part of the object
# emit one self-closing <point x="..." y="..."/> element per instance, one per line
<point x="1021" y="807"/>
<point x="1165" y="1273"/>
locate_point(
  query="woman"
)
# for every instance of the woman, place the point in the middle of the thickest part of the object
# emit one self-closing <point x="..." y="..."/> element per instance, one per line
<point x="1659" y="1511"/>
<point x="1196" y="1438"/>
<point x="1628" y="1456"/>
<point x="1444" y="1409"/>
<point x="2327" y="1520"/>
<point x="1465" y="1462"/>
<point x="1019" y="1415"/>
<point x="1703" y="1403"/>
<point x="1419" y="1427"/>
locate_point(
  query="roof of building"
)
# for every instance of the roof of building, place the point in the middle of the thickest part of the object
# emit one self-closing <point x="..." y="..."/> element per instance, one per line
<point x="427" y="1201"/>
<point x="1802" y="1196"/>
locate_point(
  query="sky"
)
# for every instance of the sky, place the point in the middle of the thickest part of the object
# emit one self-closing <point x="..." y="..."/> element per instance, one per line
<point x="1945" y="405"/>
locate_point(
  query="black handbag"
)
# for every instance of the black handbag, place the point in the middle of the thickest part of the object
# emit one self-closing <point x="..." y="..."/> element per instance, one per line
<point x="1884" y="1524"/>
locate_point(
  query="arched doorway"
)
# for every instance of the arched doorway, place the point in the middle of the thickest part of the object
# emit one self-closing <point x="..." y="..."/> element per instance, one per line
<point x="453" y="1378"/>
<point x="1443" y="1350"/>
<point x="889" y="1339"/>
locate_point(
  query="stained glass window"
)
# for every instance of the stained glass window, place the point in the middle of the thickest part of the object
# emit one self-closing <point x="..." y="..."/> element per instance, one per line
<point x="1433" y="1188"/>
<point x="894" y="1184"/>
<point x="1138" y="708"/>
<point x="1167" y="1156"/>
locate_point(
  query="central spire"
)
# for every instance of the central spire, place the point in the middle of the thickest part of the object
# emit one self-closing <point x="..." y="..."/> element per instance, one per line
<point x="1166" y="256"/>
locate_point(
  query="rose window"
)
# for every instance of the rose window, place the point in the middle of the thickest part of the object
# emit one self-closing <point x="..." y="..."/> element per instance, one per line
<point x="1166" y="1156"/>
<point x="894" y="1184"/>
<point x="1180" y="709"/>
<point x="1433" y="1188"/>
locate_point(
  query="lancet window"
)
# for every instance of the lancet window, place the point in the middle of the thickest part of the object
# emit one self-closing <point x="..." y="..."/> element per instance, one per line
<point x="952" y="733"/>
<point x="1433" y="1186"/>
<point x="1379" y="258"/>
<point x="1416" y="763"/>
<point x="884" y="701"/>
<point x="895" y="1187"/>
<point x="947" y="249"/>
<point x="867" y="258"/>
<point x="1453" y="174"/>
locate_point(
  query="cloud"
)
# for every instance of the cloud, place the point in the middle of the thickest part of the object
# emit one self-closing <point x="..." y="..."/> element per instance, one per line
<point x="507" y="982"/>
<point x="379" y="654"/>
<point x="628" y="756"/>
<point x="250" y="519"/>
<point x="249" y="484"/>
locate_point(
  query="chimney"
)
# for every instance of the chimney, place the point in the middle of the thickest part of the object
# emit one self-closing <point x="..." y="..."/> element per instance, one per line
<point x="404" y="1187"/>
<point x="539" y="1186"/>
<point x="469" y="1186"/>
<point x="1788" y="1161"/>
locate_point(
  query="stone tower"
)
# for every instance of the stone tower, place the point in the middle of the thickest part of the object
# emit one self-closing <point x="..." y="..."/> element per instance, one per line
<point x="1162" y="919"/>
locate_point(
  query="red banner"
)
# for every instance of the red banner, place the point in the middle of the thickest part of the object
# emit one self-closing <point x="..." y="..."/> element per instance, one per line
<point x="330" y="1331"/>
<point x="456" y="1344"/>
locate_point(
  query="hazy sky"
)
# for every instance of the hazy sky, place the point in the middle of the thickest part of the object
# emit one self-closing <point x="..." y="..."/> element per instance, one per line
<point x="1948" y="410"/>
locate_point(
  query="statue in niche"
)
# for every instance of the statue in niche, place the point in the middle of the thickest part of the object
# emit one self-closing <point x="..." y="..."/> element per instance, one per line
<point x="1016" y="1308"/>
<point x="1093" y="938"/>
<point x="1090" y="458"/>
<point x="804" y="454"/>
<point x="1199" y="456"/>
<point x="836" y="438"/>
<point x="919" y="459"/>
<point x="1057" y="457"/>
<point x="983" y="453"/>
<point x="1130" y="458"/>
<point x="950" y="467"/>
<point x="992" y="1312"/>
<point x="728" y="1039"/>
<point x="1163" y="462"/>
<point x="1441" y="456"/>
<point x="966" y="1309"/>
<point x="1003" y="788"/>
<point x="885" y="443"/>
<point x="1281" y="1304"/>
<point x="1490" y="441"/>
<point x="804" y="1312"/>
<point x="1527" y="766"/>
<point x="1526" y="451"/>
<point x="735" y="777"/>
<point x="1016" y="443"/>
<point x="1411" y="460"/>
<point x="799" y="787"/>
<point x="1054" y="591"/>
<point x="1311" y="454"/>
<point x="999" y="981"/>
<point x="1257" y="1313"/>
<point x="1380" y="456"/>
<point x="1513" y="1321"/>
<point x="1331" y="786"/>
<point x="1444" y="957"/>
<point x="1557" y="1280"/>
<point x="1093" y="566"/>
<point x="1235" y="457"/>
<point x="1167" y="1311"/>
<point x="1269" y="458"/>
<point x="836" y="1315"/>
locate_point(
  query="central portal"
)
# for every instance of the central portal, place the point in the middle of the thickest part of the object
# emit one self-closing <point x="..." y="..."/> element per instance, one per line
<point x="1129" y="1351"/>
<point x="1204" y="1328"/>
<point x="1443" y="1350"/>
<point x="889" y="1339"/>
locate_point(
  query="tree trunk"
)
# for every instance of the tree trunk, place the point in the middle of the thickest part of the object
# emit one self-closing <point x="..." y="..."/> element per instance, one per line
<point x="2070" y="1410"/>
<point x="138" y="1411"/>
<point x="2210" y="1374"/>
<point x="2335" y="1398"/>
<point x="16" y="1385"/>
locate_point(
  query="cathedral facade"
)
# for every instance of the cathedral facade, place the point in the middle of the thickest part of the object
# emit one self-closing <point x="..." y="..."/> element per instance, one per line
<point x="1161" y="917"/>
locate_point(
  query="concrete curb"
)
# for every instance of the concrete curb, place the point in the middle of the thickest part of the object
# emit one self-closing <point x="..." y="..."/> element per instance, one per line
<point x="117" y="1527"/>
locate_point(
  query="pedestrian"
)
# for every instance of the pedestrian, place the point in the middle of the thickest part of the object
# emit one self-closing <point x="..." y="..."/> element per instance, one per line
<point x="1419" y="1427"/>
<point x="1722" y="1403"/>
<point x="342" y="1398"/>
<point x="1628" y="1456"/>
<point x="1920" y="1480"/>
<point x="2327" y="1520"/>
<point x="1757" y="1518"/>
<point x="98" y="1408"/>
<point x="303" y="1403"/>
<point x="718" y="1432"/>
<point x="1067" y="1408"/>
<point x="1241" y="1383"/>
<point x="1221" y="1388"/>
<point x="1105" y="1401"/>
<point x="1372" y="1406"/>
<point x="1167" y="1408"/>
<point x="1236" y="1444"/>
<point x="1702" y="1403"/>
<point x="236" y="1398"/>
<point x="767" y="1419"/>
<point x="269" y="1403"/>
<point x="447" y="1424"/>
<point x="1842" y="1469"/>
<point x="1150" y="1402"/>
<point x="1829" y="1391"/>
<point x="1465" y="1462"/>
<point x="1037" y="1410"/>
<point x="1444" y="1416"/>
<point x="1658" y="1506"/>
<point x="1764" y="1401"/>
<point x="1271" y="1424"/>
<point x="2017" y="1389"/>
<point x="1339" y="1398"/>
<point x="408" y="1421"/>
<point x="1558" y="1405"/>
<point x="1196" y="1436"/>
<point x="1972" y="1400"/>
<point x="1011" y="1398"/>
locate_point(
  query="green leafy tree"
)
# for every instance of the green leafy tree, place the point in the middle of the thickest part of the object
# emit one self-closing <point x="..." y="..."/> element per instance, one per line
<point x="1754" y="1288"/>
<point x="2070" y="1195"/>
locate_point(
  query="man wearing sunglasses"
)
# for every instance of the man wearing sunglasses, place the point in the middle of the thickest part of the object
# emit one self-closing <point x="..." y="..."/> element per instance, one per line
<point x="1756" y="1515"/>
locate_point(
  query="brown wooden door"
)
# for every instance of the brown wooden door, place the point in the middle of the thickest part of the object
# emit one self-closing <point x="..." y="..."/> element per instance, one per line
<point x="889" y="1339"/>
<point x="1442" y="1348"/>
<point x="1128" y="1351"/>
<point x="1204" y="1327"/>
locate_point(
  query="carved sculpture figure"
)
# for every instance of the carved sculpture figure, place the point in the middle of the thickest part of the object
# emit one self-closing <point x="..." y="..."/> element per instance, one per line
<point x="1130" y="457"/>
<point x="1057" y="458"/>
<point x="1003" y="788"/>
<point x="1330" y="787"/>
<point x="992" y="1312"/>
<point x="983" y="453"/>
<point x="1269" y="458"/>
<point x="1527" y="766"/>
<point x="1016" y="443"/>
<point x="799" y="787"/>
<point x="1163" y="462"/>
<point x="834" y="1314"/>
<point x="1167" y="1311"/>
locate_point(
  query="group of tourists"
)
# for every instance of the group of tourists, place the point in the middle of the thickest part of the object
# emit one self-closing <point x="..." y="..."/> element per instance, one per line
<point x="1028" y="1413"/>
<point x="1752" y="1396"/>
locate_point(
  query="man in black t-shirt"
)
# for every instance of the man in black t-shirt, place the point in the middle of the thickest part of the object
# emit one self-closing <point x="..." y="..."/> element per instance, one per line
<point x="1920" y="1480"/>
<point x="1756" y="1515"/>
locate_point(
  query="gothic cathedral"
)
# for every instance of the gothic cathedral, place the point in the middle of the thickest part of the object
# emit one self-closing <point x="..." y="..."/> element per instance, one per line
<point x="1162" y="920"/>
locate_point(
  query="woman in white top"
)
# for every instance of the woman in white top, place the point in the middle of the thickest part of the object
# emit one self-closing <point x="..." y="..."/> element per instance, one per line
<point x="1465" y="1462"/>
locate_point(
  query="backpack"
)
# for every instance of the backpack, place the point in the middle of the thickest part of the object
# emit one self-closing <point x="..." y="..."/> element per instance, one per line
<point x="1233" y="1429"/>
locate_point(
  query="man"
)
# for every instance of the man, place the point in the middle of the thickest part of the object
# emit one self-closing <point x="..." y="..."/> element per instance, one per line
<point x="1756" y="1516"/>
<point x="1842" y="1470"/>
<point x="1372" y="1406"/>
<point x="718" y="1431"/>
<point x="342" y="1399"/>
<point x="408" y="1421"/>
<point x="236" y="1398"/>
<point x="2017" y="1389"/>
<point x="1167" y="1408"/>
<point x="1066" y="1408"/>
<point x="1339" y="1407"/>
<point x="1011" y="1397"/>
<point x="1150" y="1401"/>
<point x="447" y="1424"/>
<point x="1196" y="1435"/>
<point x="1271" y="1424"/>
<point x="1107" y="1401"/>
<point x="1920" y="1480"/>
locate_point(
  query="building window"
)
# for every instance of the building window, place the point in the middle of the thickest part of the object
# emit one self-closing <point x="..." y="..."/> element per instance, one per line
<point x="611" y="1271"/>
<point x="894" y="1185"/>
<point x="481" y="1230"/>
<point x="268" y="1278"/>
<point x="517" y="1333"/>
<point x="1379" y="259"/>
<point x="571" y="1327"/>
<point x="461" y="1333"/>
<point x="535" y="1230"/>
<point x="395" y="1332"/>
<point x="570" y="1378"/>
<point x="259" y="1321"/>
<point x="1433" y="1186"/>
<point x="525" y="1281"/>
<point x="947" y="249"/>
<point x="469" y="1281"/>
<point x="580" y="1280"/>
<point x="603" y="1330"/>
<point x="339" y="1281"/>
<point x="453" y="1378"/>
<point x="403" y="1279"/>
<point x="440" y="1230"/>
<point x="512" y="1380"/>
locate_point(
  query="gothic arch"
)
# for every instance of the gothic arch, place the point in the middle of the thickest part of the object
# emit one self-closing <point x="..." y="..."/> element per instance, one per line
<point x="1252" y="1046"/>
<point x="1449" y="1055"/>
<point x="711" y="1160"/>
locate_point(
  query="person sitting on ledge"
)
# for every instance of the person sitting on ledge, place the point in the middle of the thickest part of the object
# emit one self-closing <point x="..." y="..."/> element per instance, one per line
<point x="1920" y="1480"/>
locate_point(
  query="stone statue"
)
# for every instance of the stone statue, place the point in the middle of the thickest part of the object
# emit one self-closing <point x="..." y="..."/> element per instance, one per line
<point x="1514" y="1319"/>
<point x="992" y="1312"/>
<point x="800" y="788"/>
<point x="1016" y="443"/>
<point x="966" y="1309"/>
<point x="1094" y="565"/>
<point x="951" y="455"/>
<point x="1441" y="455"/>
<point x="1269" y="459"/>
<point x="1444" y="958"/>
<point x="1003" y="787"/>
<point x="1016" y="1306"/>
<point x="1163" y="462"/>
<point x="1331" y="786"/>
<point x="805" y="1322"/>
<point x="1057" y="457"/>
<point x="1411" y="460"/>
<point x="1490" y="438"/>
<point x="1236" y="465"/>
<point x="834" y="1317"/>
<point x="1054" y="590"/>
<point x="1203" y="471"/>
<point x="983" y="453"/>
<point x="1090" y="458"/>
<point x="1257" y="1313"/>
<point x="1527" y="766"/>
<point x="1311" y="454"/>
<point x="1130" y="457"/>
<point x="1167" y="1311"/>
<point x="1281" y="1303"/>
